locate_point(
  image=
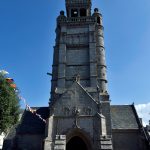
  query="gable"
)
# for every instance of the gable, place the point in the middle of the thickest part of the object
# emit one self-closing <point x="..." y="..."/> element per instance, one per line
<point x="75" y="97"/>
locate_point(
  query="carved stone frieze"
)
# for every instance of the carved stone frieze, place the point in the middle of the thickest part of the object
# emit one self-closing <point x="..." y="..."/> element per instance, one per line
<point x="67" y="111"/>
<point x="87" y="110"/>
<point x="75" y="111"/>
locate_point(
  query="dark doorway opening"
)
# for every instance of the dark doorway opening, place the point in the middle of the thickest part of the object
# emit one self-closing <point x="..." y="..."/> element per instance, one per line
<point x="74" y="13"/>
<point x="76" y="143"/>
<point x="98" y="20"/>
<point x="82" y="12"/>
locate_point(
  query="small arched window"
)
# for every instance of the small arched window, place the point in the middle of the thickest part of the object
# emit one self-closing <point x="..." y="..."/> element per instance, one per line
<point x="74" y="12"/>
<point x="98" y="20"/>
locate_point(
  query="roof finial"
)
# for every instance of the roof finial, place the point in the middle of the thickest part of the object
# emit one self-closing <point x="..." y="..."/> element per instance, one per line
<point x="78" y="78"/>
<point x="96" y="10"/>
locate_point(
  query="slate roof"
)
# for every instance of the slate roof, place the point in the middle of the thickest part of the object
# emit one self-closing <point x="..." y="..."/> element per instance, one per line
<point x="124" y="117"/>
<point x="31" y="124"/>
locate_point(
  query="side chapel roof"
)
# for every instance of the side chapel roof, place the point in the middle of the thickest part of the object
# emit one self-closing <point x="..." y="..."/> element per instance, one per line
<point x="31" y="124"/>
<point x="124" y="117"/>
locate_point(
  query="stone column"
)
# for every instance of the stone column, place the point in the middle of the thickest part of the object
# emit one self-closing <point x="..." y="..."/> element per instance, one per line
<point x="54" y="71"/>
<point x="102" y="139"/>
<point x="101" y="60"/>
<point x="62" y="58"/>
<point x="92" y="56"/>
<point x="48" y="142"/>
<point x="100" y="52"/>
<point x="105" y="110"/>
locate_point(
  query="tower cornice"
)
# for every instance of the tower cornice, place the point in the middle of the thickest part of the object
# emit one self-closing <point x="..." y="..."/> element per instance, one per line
<point x="76" y="2"/>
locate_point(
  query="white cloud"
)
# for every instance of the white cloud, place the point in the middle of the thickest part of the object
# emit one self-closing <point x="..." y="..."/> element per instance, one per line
<point x="143" y="111"/>
<point x="4" y="72"/>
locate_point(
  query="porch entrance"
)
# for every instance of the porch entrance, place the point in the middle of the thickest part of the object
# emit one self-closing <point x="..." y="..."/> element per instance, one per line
<point x="76" y="143"/>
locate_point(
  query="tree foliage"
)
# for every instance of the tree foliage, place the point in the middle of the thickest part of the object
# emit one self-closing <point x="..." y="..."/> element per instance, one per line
<point x="9" y="105"/>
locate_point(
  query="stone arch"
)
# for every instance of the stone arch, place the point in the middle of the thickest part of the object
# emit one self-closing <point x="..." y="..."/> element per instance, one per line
<point x="74" y="12"/>
<point x="76" y="143"/>
<point x="81" y="135"/>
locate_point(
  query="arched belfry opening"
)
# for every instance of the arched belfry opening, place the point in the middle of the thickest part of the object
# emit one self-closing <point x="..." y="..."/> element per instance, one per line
<point x="82" y="12"/>
<point x="76" y="143"/>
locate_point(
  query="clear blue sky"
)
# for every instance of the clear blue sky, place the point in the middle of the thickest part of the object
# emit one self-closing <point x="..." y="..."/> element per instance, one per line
<point x="27" y="37"/>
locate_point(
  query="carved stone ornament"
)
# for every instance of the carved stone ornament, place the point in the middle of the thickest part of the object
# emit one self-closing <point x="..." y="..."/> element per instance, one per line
<point x="75" y="111"/>
<point x="66" y="110"/>
<point x="87" y="110"/>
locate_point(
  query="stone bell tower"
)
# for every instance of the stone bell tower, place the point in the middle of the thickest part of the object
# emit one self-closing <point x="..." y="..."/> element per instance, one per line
<point x="79" y="104"/>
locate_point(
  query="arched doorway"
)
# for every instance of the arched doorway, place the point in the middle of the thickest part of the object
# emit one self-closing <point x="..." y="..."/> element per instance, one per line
<point x="76" y="143"/>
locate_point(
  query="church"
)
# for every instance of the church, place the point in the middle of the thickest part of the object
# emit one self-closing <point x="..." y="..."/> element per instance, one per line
<point x="79" y="115"/>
